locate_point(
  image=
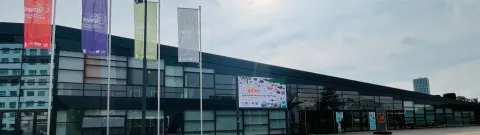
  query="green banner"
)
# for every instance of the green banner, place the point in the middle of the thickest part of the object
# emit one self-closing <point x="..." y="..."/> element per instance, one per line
<point x="151" y="30"/>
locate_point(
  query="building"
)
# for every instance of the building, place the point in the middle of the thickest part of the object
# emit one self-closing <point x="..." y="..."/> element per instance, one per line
<point x="421" y="85"/>
<point x="313" y="101"/>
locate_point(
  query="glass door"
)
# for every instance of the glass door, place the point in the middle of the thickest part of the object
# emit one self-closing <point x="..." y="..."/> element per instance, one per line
<point x="26" y="123"/>
<point x="391" y="120"/>
<point x="365" y="120"/>
<point x="348" y="118"/>
<point x="9" y="124"/>
<point x="173" y="122"/>
<point x="357" y="121"/>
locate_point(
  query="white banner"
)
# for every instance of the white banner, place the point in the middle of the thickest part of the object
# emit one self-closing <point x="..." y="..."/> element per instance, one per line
<point x="188" y="36"/>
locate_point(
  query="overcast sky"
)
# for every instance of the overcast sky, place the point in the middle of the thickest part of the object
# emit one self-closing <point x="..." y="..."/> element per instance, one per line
<point x="386" y="42"/>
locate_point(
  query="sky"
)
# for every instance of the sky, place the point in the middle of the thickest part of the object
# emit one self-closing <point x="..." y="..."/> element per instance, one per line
<point x="385" y="42"/>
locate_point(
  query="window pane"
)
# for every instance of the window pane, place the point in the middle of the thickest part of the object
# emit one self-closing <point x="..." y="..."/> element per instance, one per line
<point x="224" y="79"/>
<point x="408" y="103"/>
<point x="195" y="93"/>
<point x="71" y="63"/>
<point x="207" y="80"/>
<point x="192" y="80"/>
<point x="153" y="77"/>
<point x="173" y="81"/>
<point x="174" y="71"/>
<point x="136" y="76"/>
<point x="70" y="76"/>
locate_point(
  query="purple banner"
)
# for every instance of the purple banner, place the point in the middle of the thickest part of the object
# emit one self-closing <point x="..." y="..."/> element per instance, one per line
<point x="94" y="27"/>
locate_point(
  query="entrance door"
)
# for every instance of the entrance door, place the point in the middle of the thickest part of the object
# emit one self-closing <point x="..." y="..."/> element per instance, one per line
<point x="173" y="122"/>
<point x="395" y="119"/>
<point x="365" y="120"/>
<point x="357" y="121"/>
<point x="360" y="121"/>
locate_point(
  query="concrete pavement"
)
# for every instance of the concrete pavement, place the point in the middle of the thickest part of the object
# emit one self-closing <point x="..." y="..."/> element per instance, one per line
<point x="473" y="130"/>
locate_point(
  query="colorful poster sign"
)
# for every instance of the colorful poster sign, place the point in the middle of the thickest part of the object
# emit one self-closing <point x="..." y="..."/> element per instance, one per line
<point x="372" y="121"/>
<point x="95" y="27"/>
<point x="381" y="118"/>
<point x="338" y="119"/>
<point x="151" y="30"/>
<point x="259" y="92"/>
<point x="38" y="24"/>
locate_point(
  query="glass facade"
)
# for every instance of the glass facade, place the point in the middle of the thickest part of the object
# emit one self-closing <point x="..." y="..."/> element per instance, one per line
<point x="24" y="77"/>
<point x="80" y="96"/>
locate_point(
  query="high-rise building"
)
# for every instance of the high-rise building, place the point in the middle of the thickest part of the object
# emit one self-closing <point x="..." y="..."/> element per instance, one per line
<point x="421" y="85"/>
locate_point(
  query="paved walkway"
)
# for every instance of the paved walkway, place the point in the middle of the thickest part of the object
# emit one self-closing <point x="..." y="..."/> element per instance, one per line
<point x="474" y="130"/>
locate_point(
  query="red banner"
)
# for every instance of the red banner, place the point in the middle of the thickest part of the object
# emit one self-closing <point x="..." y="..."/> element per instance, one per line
<point x="381" y="118"/>
<point x="37" y="25"/>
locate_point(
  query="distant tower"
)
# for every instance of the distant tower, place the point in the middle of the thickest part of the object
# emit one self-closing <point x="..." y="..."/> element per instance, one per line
<point x="421" y="85"/>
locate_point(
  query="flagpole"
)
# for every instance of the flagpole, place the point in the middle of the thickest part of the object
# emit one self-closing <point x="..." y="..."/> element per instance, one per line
<point x="52" y="55"/>
<point x="200" y="61"/>
<point x="158" y="72"/>
<point x="109" y="62"/>
<point x="144" y="86"/>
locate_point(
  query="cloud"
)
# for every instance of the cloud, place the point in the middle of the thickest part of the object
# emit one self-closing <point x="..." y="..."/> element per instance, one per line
<point x="382" y="42"/>
<point x="461" y="79"/>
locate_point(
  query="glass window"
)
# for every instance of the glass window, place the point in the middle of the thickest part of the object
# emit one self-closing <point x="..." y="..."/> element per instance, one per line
<point x="43" y="72"/>
<point x="32" y="72"/>
<point x="207" y="80"/>
<point x="173" y="81"/>
<point x="2" y="105"/>
<point x="153" y="77"/>
<point x="193" y="80"/>
<point x="439" y="110"/>
<point x="32" y="52"/>
<point x="255" y="122"/>
<point x="3" y="72"/>
<point x="195" y="93"/>
<point x="448" y="110"/>
<point x="43" y="52"/>
<point x="17" y="72"/>
<point x="102" y="72"/>
<point x="31" y="82"/>
<point x="29" y="104"/>
<point x="225" y="92"/>
<point x="136" y="76"/>
<point x="41" y="103"/>
<point x="224" y="79"/>
<point x="70" y="76"/>
<point x="42" y="82"/>
<point x="4" y="60"/>
<point x="13" y="93"/>
<point x="408" y="103"/>
<point x="205" y="70"/>
<point x="3" y="93"/>
<point x="30" y="93"/>
<point x="192" y="121"/>
<point x="173" y="71"/>
<point x="41" y="93"/>
<point x="5" y="50"/>
<point x="225" y="120"/>
<point x="46" y="61"/>
<point x="12" y="104"/>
